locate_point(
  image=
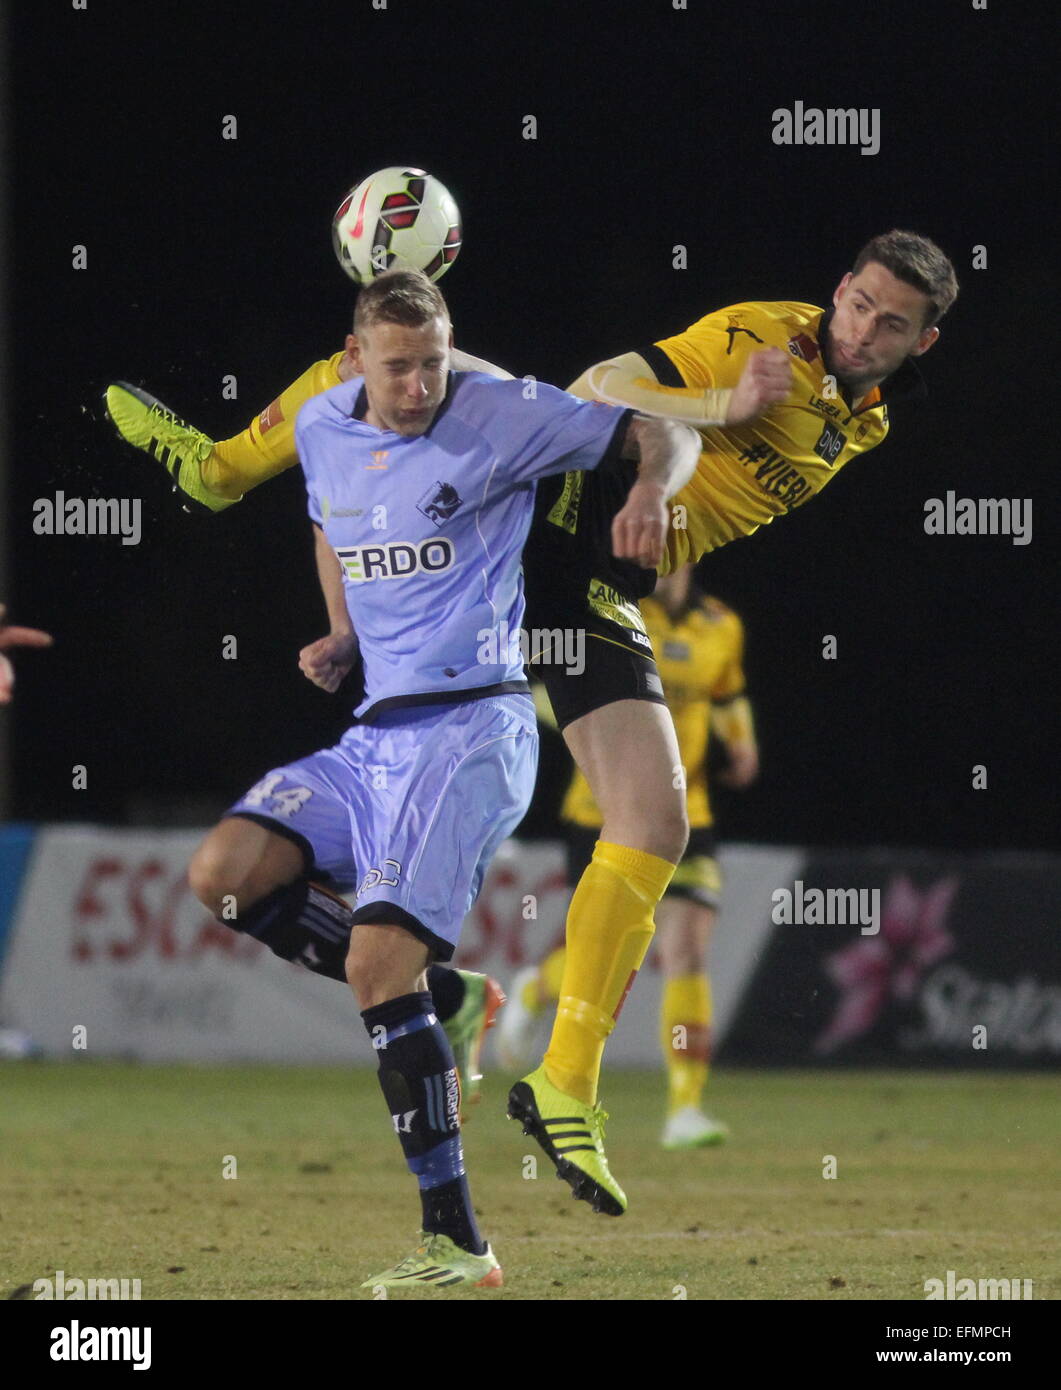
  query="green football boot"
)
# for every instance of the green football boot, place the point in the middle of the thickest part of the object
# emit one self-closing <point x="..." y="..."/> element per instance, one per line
<point x="145" y="423"/>
<point x="572" y="1135"/>
<point x="441" y="1264"/>
<point x="468" y="1027"/>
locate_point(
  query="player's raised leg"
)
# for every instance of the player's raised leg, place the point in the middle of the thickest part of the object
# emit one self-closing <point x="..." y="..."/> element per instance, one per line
<point x="271" y="866"/>
<point x="262" y="875"/>
<point x="216" y="473"/>
<point x="629" y="754"/>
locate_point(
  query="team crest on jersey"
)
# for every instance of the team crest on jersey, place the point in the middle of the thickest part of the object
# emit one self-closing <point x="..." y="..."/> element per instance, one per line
<point x="439" y="502"/>
<point x="804" y="346"/>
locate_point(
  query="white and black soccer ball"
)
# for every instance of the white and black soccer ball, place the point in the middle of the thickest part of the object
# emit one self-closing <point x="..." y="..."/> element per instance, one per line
<point x="397" y="219"/>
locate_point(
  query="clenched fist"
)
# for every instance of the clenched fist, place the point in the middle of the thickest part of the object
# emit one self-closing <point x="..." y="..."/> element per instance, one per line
<point x="639" y="530"/>
<point x="766" y="380"/>
<point x="327" y="661"/>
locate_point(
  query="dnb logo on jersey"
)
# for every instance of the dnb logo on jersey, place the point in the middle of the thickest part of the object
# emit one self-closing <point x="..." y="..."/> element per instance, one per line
<point x="439" y="503"/>
<point x="398" y="560"/>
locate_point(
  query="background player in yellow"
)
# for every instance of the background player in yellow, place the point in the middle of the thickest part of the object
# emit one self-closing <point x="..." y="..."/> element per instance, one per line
<point x="698" y="644"/>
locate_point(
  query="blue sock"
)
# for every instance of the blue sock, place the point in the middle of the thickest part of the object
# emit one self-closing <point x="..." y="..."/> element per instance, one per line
<point x="419" y="1083"/>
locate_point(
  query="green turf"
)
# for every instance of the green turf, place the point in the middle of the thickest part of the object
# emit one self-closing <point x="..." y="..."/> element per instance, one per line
<point x="111" y="1170"/>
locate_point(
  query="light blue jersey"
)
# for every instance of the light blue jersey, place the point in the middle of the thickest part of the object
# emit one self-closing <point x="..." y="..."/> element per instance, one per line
<point x="429" y="528"/>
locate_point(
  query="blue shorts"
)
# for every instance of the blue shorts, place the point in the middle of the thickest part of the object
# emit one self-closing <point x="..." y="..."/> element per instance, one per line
<point x="409" y="811"/>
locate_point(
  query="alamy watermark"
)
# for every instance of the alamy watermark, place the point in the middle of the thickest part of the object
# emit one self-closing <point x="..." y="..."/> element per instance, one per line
<point x="810" y="125"/>
<point x="545" y="646"/>
<point x="88" y="516"/>
<point x="77" y="1343"/>
<point x="821" y="907"/>
<point x="980" y="516"/>
<point x="64" y="1288"/>
<point x="959" y="1289"/>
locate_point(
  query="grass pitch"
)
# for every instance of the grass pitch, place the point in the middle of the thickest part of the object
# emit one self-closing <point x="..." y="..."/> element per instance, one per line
<point x="112" y="1170"/>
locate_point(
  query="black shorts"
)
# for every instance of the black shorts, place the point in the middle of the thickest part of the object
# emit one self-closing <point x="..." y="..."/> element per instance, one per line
<point x="588" y="643"/>
<point x="697" y="877"/>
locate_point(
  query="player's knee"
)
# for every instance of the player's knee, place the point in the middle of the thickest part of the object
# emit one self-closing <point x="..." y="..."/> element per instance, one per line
<point x="211" y="876"/>
<point x="664" y="833"/>
<point x="673" y="831"/>
<point x="374" y="972"/>
<point x="366" y="973"/>
<point x="662" y="830"/>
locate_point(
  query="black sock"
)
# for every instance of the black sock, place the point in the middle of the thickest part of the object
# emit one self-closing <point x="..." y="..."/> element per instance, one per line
<point x="419" y="1083"/>
<point x="302" y="923"/>
<point x="447" y="991"/>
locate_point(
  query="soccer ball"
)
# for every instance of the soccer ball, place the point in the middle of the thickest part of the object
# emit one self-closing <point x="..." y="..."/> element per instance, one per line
<point x="397" y="219"/>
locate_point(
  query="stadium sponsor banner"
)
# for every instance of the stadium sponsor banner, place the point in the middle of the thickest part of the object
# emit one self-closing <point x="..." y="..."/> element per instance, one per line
<point x="111" y="955"/>
<point x="943" y="960"/>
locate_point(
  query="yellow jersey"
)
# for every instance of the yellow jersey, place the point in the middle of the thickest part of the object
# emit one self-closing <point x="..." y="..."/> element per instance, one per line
<point x="700" y="657"/>
<point x="748" y="474"/>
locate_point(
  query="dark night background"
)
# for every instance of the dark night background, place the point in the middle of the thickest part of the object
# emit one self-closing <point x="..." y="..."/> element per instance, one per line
<point x="208" y="257"/>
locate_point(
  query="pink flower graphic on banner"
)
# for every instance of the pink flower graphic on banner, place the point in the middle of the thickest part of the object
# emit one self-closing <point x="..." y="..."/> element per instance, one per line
<point x="873" y="970"/>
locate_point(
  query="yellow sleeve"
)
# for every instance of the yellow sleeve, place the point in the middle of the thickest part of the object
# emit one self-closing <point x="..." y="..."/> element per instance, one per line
<point x="714" y="351"/>
<point x="629" y="381"/>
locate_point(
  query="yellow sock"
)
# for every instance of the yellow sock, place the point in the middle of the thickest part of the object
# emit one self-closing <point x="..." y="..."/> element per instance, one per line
<point x="609" y="928"/>
<point x="550" y="979"/>
<point x="267" y="446"/>
<point x="685" y="1023"/>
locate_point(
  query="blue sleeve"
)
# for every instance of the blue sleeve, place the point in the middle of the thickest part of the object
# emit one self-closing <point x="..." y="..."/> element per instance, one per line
<point x="550" y="433"/>
<point x="305" y="450"/>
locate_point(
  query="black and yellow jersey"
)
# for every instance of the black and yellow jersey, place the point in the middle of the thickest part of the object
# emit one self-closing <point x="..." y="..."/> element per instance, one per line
<point x="748" y="474"/>
<point x="700" y="659"/>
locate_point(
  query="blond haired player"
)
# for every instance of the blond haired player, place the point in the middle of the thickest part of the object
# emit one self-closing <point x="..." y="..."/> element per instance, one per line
<point x="698" y="644"/>
<point x="784" y="395"/>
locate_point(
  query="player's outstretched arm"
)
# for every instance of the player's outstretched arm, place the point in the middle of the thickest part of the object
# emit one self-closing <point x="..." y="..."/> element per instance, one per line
<point x="667" y="455"/>
<point x="328" y="661"/>
<point x="628" y="380"/>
